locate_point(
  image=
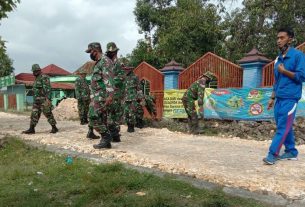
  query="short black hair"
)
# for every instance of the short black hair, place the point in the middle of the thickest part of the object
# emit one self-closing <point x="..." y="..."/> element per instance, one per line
<point x="288" y="30"/>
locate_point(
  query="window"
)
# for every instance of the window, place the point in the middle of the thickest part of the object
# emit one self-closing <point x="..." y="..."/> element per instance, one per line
<point x="145" y="86"/>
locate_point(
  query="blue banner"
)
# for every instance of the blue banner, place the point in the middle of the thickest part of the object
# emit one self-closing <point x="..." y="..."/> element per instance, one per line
<point x="242" y="104"/>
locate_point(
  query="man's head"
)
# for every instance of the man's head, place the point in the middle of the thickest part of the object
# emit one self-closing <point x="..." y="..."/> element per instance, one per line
<point x="112" y="50"/>
<point x="285" y="36"/>
<point x="36" y="69"/>
<point x="208" y="76"/>
<point x="95" y="50"/>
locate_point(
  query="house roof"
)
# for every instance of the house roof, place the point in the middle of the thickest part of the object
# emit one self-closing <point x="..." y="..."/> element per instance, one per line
<point x="25" y="77"/>
<point x="66" y="86"/>
<point x="54" y="70"/>
<point x="254" y="56"/>
<point x="172" y="65"/>
<point x="87" y="67"/>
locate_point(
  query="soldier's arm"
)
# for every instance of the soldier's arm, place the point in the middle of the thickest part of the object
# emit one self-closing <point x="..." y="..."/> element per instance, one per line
<point x="47" y="87"/>
<point x="77" y="87"/>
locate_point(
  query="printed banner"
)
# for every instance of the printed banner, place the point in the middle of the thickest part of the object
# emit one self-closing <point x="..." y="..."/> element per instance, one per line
<point x="230" y="103"/>
<point x="172" y="104"/>
<point x="237" y="104"/>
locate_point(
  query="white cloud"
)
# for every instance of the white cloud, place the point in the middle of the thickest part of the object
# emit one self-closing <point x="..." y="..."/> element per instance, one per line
<point x="59" y="31"/>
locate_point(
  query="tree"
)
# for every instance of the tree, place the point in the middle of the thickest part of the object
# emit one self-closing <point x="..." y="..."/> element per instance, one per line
<point x="5" y="62"/>
<point x="257" y="23"/>
<point x="182" y="30"/>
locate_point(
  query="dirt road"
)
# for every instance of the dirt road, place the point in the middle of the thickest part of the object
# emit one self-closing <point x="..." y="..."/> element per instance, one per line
<point x="227" y="161"/>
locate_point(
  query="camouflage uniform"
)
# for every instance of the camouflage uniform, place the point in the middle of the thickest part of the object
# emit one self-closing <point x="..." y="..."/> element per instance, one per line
<point x="42" y="101"/>
<point x="82" y="93"/>
<point x="193" y="93"/>
<point x="150" y="103"/>
<point x="131" y="95"/>
<point x="42" y="92"/>
<point x="140" y="110"/>
<point x="115" y="109"/>
<point x="102" y="87"/>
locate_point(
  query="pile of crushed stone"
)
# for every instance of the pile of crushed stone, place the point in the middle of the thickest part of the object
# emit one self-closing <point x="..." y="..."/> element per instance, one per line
<point x="66" y="110"/>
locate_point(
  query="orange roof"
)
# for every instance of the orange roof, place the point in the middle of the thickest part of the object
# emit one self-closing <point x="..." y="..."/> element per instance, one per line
<point x="54" y="70"/>
<point x="87" y="67"/>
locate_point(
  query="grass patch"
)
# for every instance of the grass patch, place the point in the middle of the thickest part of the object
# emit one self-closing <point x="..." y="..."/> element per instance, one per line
<point x="34" y="177"/>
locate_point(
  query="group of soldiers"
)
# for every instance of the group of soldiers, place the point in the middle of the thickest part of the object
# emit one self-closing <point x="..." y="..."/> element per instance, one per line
<point x="113" y="96"/>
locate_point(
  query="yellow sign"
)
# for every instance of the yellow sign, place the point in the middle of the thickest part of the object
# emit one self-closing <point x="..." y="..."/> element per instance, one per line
<point x="173" y="107"/>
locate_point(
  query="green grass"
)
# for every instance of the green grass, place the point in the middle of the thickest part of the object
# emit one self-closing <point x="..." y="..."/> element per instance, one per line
<point x="86" y="184"/>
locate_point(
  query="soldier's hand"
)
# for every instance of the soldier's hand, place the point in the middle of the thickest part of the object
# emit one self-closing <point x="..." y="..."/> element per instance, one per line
<point x="108" y="100"/>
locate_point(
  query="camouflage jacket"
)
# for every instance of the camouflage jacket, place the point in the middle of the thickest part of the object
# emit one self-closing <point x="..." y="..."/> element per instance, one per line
<point x="102" y="81"/>
<point x="132" y="87"/>
<point x="150" y="104"/>
<point x="42" y="88"/>
<point x="119" y="79"/>
<point x="195" y="92"/>
<point x="82" y="90"/>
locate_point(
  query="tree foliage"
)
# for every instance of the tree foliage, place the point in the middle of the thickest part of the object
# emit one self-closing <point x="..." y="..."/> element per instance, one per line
<point x="6" y="63"/>
<point x="182" y="30"/>
<point x="186" y="29"/>
<point x="256" y="25"/>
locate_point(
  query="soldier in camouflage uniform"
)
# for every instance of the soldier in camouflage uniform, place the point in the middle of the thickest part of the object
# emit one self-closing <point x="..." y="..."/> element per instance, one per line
<point x="150" y="104"/>
<point x="132" y="88"/>
<point x="115" y="109"/>
<point x="82" y="93"/>
<point x="102" y="91"/>
<point x="193" y="93"/>
<point x="139" y="110"/>
<point x="42" y="101"/>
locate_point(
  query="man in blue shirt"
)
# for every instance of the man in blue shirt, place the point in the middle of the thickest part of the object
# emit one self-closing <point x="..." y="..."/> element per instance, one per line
<point x="289" y="73"/>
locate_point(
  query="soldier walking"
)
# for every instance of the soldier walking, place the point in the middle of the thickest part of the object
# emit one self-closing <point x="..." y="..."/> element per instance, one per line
<point x="42" y="101"/>
<point x="132" y="89"/>
<point x="193" y="93"/>
<point x="115" y="108"/>
<point x="102" y="91"/>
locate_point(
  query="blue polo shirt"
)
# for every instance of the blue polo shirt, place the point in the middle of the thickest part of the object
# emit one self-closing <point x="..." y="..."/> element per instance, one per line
<point x="285" y="87"/>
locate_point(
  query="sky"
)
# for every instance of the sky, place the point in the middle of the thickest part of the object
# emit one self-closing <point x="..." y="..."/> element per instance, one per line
<point x="58" y="31"/>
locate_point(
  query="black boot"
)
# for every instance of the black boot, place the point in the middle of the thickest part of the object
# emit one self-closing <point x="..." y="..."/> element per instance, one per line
<point x="116" y="138"/>
<point x="31" y="130"/>
<point x="91" y="135"/>
<point x="130" y="128"/>
<point x="54" y="129"/>
<point x="105" y="141"/>
<point x="140" y="123"/>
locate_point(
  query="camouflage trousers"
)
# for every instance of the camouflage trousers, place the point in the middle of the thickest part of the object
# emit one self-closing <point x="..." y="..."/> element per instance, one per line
<point x="139" y="111"/>
<point x="190" y="109"/>
<point x="98" y="117"/>
<point x="130" y="112"/>
<point x="115" y="115"/>
<point x="45" y="108"/>
<point x="83" y="108"/>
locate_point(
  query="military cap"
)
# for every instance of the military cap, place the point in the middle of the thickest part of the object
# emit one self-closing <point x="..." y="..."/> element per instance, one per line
<point x="35" y="67"/>
<point x="94" y="45"/>
<point x="208" y="74"/>
<point x="111" y="47"/>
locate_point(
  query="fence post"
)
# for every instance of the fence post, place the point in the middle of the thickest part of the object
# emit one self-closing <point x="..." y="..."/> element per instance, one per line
<point x="20" y="102"/>
<point x="5" y="100"/>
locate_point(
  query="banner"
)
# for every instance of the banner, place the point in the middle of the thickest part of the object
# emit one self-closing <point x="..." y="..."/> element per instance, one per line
<point x="7" y="81"/>
<point x="230" y="103"/>
<point x="172" y="104"/>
